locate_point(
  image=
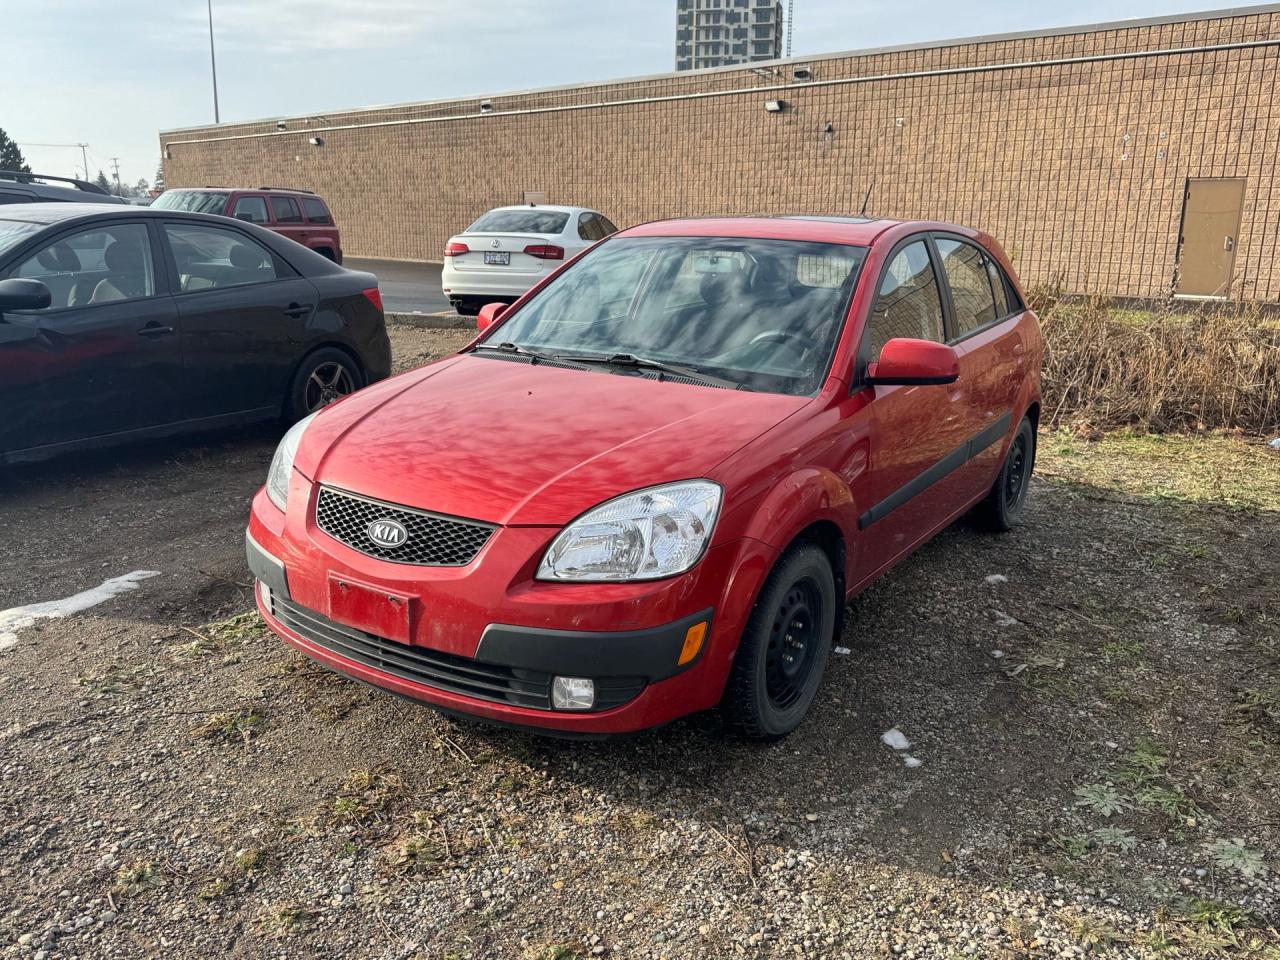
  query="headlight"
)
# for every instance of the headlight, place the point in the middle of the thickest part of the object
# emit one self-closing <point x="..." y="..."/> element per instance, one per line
<point x="645" y="535"/>
<point x="282" y="463"/>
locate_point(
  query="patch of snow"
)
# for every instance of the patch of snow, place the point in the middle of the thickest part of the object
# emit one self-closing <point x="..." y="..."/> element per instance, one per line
<point x="19" y="618"/>
<point x="912" y="762"/>
<point x="995" y="578"/>
<point x="997" y="654"/>
<point x="1275" y="444"/>
<point x="843" y="650"/>
<point x="894" y="738"/>
<point x="1003" y="619"/>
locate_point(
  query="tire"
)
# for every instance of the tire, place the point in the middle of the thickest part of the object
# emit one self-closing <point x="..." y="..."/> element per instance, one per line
<point x="326" y="253"/>
<point x="1003" y="508"/>
<point x="771" y="683"/>
<point x="467" y="308"/>
<point x="323" y="376"/>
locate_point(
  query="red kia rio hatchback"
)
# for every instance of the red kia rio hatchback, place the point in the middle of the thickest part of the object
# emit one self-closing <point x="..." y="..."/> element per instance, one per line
<point x="650" y="485"/>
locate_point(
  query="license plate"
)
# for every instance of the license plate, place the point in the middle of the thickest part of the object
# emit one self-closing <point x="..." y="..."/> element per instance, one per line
<point x="371" y="609"/>
<point x="499" y="258"/>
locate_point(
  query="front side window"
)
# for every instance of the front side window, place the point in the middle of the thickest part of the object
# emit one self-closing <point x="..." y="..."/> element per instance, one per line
<point x="101" y="265"/>
<point x="286" y="210"/>
<point x="909" y="303"/>
<point x="209" y="257"/>
<point x="253" y="209"/>
<point x="192" y="201"/>
<point x="316" y="211"/>
<point x="531" y="220"/>
<point x="970" y="284"/>
<point x="764" y="314"/>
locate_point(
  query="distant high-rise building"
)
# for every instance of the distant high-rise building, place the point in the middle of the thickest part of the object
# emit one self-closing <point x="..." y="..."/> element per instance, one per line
<point x="720" y="33"/>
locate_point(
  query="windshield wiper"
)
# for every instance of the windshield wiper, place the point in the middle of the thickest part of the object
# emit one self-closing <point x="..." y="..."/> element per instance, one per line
<point x="647" y="363"/>
<point x="508" y="347"/>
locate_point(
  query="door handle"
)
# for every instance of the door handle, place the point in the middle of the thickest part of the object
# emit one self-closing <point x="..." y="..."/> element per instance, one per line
<point x="154" y="329"/>
<point x="297" y="310"/>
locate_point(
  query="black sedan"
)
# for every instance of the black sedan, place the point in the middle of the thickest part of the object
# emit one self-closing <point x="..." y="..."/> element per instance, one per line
<point x="120" y="323"/>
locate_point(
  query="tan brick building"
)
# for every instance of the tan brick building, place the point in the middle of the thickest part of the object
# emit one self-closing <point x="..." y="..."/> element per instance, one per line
<point x="1083" y="150"/>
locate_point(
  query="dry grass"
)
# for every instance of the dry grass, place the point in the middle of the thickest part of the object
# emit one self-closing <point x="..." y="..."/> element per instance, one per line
<point x="1160" y="370"/>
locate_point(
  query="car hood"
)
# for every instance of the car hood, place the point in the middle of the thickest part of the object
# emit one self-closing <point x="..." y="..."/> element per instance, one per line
<point x="519" y="444"/>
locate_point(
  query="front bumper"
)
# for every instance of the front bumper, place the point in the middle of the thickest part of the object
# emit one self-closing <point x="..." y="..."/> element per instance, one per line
<point x="488" y="642"/>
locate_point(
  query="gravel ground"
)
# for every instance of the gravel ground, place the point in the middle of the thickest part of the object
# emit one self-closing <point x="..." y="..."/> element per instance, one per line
<point x="1092" y="706"/>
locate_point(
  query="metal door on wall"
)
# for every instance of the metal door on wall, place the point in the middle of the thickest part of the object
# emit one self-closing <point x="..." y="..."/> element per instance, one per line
<point x="1207" y="247"/>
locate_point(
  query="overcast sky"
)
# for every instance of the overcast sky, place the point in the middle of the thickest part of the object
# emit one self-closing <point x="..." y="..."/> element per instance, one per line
<point x="114" y="74"/>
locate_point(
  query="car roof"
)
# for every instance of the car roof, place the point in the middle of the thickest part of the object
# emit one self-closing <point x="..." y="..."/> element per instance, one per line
<point x="58" y="211"/>
<point x="213" y="188"/>
<point x="855" y="231"/>
<point x="554" y="208"/>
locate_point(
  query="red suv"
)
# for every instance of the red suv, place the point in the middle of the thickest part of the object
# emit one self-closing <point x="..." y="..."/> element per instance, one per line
<point x="297" y="214"/>
<point x="650" y="485"/>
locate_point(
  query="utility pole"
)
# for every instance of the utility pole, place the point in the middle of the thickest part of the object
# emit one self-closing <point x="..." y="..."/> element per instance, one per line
<point x="115" y="163"/>
<point x="84" y="152"/>
<point x="213" y="65"/>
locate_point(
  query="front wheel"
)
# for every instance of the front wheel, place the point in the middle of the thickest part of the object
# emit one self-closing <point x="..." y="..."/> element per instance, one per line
<point x="785" y="646"/>
<point x="324" y="376"/>
<point x="1002" y="510"/>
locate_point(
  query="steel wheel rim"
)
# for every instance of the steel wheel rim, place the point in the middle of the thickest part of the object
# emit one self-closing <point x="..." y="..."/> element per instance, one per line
<point x="328" y="382"/>
<point x="1016" y="477"/>
<point x="793" y="644"/>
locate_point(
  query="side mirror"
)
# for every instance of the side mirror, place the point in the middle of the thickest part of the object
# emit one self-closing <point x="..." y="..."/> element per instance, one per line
<point x="22" y="294"/>
<point x="909" y="362"/>
<point x="489" y="315"/>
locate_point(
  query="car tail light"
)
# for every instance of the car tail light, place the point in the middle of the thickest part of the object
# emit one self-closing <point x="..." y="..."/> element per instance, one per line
<point x="545" y="251"/>
<point x="455" y="249"/>
<point x="374" y="296"/>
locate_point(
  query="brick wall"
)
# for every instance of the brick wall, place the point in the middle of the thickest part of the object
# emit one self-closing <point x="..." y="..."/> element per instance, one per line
<point x="1079" y="168"/>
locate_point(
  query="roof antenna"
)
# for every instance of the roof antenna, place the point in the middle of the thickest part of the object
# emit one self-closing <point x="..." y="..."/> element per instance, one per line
<point x="867" y="199"/>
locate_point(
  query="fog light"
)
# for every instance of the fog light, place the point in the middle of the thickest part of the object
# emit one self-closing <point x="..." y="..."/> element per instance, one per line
<point x="573" y="693"/>
<point x="264" y="594"/>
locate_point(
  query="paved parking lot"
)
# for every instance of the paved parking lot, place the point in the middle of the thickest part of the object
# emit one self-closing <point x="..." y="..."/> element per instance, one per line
<point x="173" y="775"/>
<point x="406" y="287"/>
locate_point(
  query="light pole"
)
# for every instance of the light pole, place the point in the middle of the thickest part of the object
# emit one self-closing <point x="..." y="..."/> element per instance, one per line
<point x="213" y="65"/>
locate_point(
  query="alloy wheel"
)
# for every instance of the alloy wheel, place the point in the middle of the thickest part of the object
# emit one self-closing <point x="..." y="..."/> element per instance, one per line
<point x="328" y="382"/>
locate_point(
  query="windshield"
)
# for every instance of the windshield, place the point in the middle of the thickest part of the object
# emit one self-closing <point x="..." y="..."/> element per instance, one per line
<point x="193" y="201"/>
<point x="13" y="232"/>
<point x="764" y="314"/>
<point x="520" y="221"/>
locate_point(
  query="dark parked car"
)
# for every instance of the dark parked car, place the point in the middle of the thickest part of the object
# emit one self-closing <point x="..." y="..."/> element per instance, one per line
<point x="124" y="322"/>
<point x="297" y="214"/>
<point x="18" y="187"/>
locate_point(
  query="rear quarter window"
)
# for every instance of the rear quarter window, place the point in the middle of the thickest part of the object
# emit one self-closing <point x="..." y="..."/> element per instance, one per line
<point x="316" y="211"/>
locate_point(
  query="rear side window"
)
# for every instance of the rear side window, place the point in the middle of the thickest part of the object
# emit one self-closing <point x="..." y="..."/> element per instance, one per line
<point x="286" y="210"/>
<point x="253" y="209"/>
<point x="520" y="221"/>
<point x="208" y="257"/>
<point x="607" y="225"/>
<point x="316" y="211"/>
<point x="909" y="303"/>
<point x="587" y="226"/>
<point x="970" y="284"/>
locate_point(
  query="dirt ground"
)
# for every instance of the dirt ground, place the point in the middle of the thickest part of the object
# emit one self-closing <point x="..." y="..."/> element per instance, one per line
<point x="1094" y="700"/>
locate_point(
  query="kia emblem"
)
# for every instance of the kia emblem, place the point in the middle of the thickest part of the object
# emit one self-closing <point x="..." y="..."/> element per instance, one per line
<point x="387" y="534"/>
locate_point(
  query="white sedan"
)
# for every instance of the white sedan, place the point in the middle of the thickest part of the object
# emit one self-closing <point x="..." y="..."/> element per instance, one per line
<point x="509" y="249"/>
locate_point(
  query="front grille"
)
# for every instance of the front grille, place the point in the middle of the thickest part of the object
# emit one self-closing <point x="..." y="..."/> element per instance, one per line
<point x="433" y="540"/>
<point x="445" y="671"/>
